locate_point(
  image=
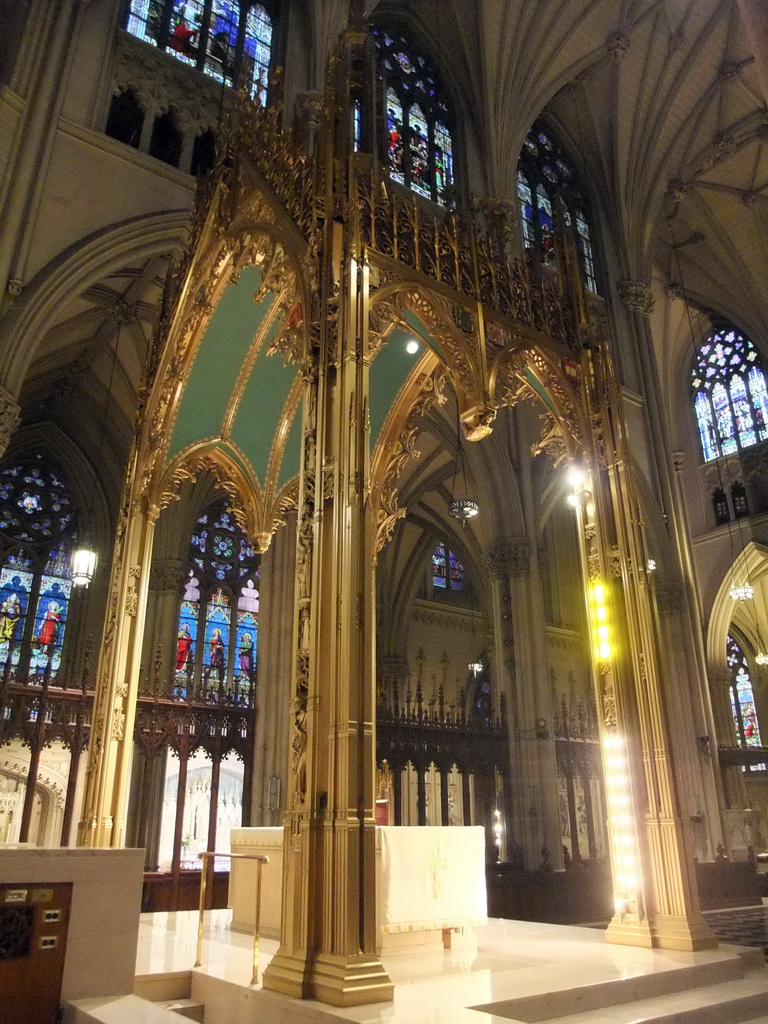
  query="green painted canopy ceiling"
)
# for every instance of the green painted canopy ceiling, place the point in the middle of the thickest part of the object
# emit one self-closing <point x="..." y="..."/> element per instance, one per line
<point x="232" y="358"/>
<point x="228" y="345"/>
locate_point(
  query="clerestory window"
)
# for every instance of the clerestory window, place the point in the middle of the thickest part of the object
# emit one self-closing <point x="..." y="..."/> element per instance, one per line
<point x="418" y="149"/>
<point x="730" y="397"/>
<point x="448" y="574"/>
<point x="547" y="181"/>
<point x="228" y="40"/>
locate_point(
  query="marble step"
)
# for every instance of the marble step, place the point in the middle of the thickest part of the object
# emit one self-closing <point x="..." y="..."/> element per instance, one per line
<point x="731" y="1002"/>
<point x="559" y="1004"/>
<point x="119" y="1010"/>
<point x="192" y="1009"/>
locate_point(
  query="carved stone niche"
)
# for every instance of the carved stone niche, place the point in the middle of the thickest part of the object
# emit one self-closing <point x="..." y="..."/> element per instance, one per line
<point x="10" y="417"/>
<point x="509" y="556"/>
<point x="309" y="111"/>
<point x="168" y="575"/>
<point x="636" y="296"/>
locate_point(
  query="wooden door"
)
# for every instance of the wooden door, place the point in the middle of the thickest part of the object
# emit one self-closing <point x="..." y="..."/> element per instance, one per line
<point x="33" y="940"/>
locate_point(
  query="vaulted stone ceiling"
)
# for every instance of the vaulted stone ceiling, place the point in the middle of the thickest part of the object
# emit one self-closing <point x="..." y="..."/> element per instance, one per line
<point x="87" y="370"/>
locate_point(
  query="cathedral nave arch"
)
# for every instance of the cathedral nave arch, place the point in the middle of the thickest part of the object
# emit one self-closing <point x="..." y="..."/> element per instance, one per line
<point x="71" y="273"/>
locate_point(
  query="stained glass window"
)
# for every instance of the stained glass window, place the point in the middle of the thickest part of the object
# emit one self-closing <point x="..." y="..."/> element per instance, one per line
<point x="225" y="39"/>
<point x="356" y="126"/>
<point x="730" y="395"/>
<point x="36" y="535"/>
<point x="16" y="581"/>
<point x="525" y="196"/>
<point x="448" y="573"/>
<point x="218" y="622"/>
<point x="547" y="182"/>
<point x="395" y="136"/>
<point x="419" y="142"/>
<point x="742" y="698"/>
<point x="439" y="574"/>
<point x="546" y="225"/>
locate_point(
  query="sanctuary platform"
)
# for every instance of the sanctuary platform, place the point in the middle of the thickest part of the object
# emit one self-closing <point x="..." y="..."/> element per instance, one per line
<point x="519" y="972"/>
<point x="430" y="885"/>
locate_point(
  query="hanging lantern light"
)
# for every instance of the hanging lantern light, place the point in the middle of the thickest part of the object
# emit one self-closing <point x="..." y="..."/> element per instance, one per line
<point x="762" y="659"/>
<point x="741" y="592"/>
<point x="463" y="509"/>
<point x="83" y="567"/>
<point x="475" y="667"/>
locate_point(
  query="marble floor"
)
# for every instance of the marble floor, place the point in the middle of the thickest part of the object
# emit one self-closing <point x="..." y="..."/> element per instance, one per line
<point x="518" y="971"/>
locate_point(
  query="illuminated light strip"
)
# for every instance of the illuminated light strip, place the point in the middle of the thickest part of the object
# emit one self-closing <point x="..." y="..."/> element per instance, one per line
<point x="601" y="630"/>
<point x="624" y="843"/>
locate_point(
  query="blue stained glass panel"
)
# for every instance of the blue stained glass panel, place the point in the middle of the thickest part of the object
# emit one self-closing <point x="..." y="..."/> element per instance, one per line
<point x="145" y="20"/>
<point x="546" y="224"/>
<point x="15" y="588"/>
<point x="419" y="152"/>
<point x="742" y="412"/>
<point x="439" y="568"/>
<point x="734" y="384"/>
<point x="456" y="569"/>
<point x="405" y="63"/>
<point x="585" y="248"/>
<point x="395" y="136"/>
<point x="247" y="636"/>
<point x="419" y="144"/>
<point x="258" y="50"/>
<point x="759" y="394"/>
<point x="742" y="698"/>
<point x="217" y="627"/>
<point x="525" y="196"/>
<point x="50" y="621"/>
<point x="221" y="44"/>
<point x="706" y="426"/>
<point x="356" y="126"/>
<point x="724" y="419"/>
<point x="186" y="637"/>
<point x="184" y="31"/>
<point x="443" y="160"/>
<point x="206" y="34"/>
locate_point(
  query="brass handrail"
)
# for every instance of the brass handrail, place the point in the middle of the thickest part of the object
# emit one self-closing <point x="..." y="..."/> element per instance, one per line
<point x="207" y="857"/>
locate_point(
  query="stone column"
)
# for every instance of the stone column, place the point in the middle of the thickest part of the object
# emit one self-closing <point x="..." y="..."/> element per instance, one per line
<point x="166" y="585"/>
<point x="651" y="852"/>
<point x="677" y="612"/>
<point x="273" y="676"/>
<point x="520" y="658"/>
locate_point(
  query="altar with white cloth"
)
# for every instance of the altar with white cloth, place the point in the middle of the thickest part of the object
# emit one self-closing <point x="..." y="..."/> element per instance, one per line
<point x="430" y="883"/>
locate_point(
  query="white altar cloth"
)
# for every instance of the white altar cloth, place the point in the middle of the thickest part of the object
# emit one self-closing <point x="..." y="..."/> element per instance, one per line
<point x="429" y="880"/>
